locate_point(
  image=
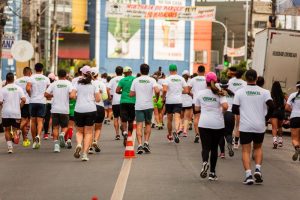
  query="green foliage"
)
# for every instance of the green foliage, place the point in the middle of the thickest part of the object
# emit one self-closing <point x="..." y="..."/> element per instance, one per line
<point x="241" y="66"/>
<point x="68" y="29"/>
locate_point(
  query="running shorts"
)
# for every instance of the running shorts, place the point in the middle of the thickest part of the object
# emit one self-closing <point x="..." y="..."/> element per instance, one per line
<point x="173" y="108"/>
<point x="100" y="114"/>
<point x="25" y="111"/>
<point x="116" y="110"/>
<point x="127" y="112"/>
<point x="107" y="104"/>
<point x="144" y="115"/>
<point x="187" y="108"/>
<point x="85" y="119"/>
<point x="8" y="122"/>
<point x="59" y="119"/>
<point x="37" y="110"/>
<point x="159" y="104"/>
<point x="295" y="122"/>
<point x="278" y="114"/>
<point x="248" y="137"/>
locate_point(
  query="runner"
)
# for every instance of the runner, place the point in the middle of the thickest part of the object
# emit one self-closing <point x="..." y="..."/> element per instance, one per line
<point x="173" y="88"/>
<point x="107" y="104"/>
<point x="187" y="107"/>
<point x="115" y="98"/>
<point x="249" y="103"/>
<point x="143" y="88"/>
<point x="85" y="112"/>
<point x="293" y="106"/>
<point x="10" y="97"/>
<point x="211" y="102"/>
<point x="36" y="87"/>
<point x="278" y="114"/>
<point x="127" y="109"/>
<point x="158" y="108"/>
<point x="196" y="85"/>
<point x="25" y="115"/>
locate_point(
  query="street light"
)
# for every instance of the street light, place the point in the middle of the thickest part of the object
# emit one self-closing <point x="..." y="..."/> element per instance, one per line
<point x="226" y="38"/>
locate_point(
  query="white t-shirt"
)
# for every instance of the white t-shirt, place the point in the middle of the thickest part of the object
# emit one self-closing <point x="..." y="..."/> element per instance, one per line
<point x="61" y="96"/>
<point x="86" y="98"/>
<point x="175" y="85"/>
<point x="22" y="82"/>
<point x="252" y="100"/>
<point x="295" y="105"/>
<point x="75" y="80"/>
<point x="187" y="101"/>
<point x="143" y="87"/>
<point x="11" y="95"/>
<point x="211" y="109"/>
<point x="235" y="84"/>
<point x="102" y="89"/>
<point x="39" y="85"/>
<point x="112" y="86"/>
<point x="160" y="81"/>
<point x="230" y="102"/>
<point x="197" y="84"/>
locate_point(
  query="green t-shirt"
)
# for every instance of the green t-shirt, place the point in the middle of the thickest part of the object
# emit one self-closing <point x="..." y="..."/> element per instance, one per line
<point x="125" y="84"/>
<point x="72" y="104"/>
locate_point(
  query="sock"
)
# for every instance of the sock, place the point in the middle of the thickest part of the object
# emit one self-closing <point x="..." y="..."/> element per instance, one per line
<point x="9" y="144"/>
<point x="69" y="134"/>
<point x="146" y="142"/>
<point x="236" y="140"/>
<point x="258" y="167"/>
<point x="248" y="173"/>
<point x="56" y="142"/>
<point x="274" y="139"/>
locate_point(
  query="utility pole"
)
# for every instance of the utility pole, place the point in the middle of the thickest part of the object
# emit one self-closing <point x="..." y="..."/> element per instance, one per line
<point x="2" y="24"/>
<point x="54" y="30"/>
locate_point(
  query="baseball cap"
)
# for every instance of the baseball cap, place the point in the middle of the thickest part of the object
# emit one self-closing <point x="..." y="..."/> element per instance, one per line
<point x="127" y="69"/>
<point x="85" y="69"/>
<point x="172" y="67"/>
<point x="185" y="72"/>
<point x="224" y="83"/>
<point x="52" y="76"/>
<point x="211" y="76"/>
<point x="94" y="71"/>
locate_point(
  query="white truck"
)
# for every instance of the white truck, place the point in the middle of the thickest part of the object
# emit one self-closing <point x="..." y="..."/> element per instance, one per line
<point x="276" y="57"/>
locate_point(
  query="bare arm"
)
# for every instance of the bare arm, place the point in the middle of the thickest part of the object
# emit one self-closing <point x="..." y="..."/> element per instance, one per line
<point x="23" y="100"/>
<point x="72" y="94"/>
<point x="288" y="108"/>
<point x="119" y="90"/>
<point x="28" y="89"/>
<point x="97" y="97"/>
<point x="132" y="94"/>
<point x="224" y="107"/>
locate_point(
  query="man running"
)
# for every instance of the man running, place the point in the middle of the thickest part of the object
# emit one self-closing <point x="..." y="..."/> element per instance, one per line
<point x="10" y="97"/>
<point x="60" y="91"/>
<point x="127" y="110"/>
<point x="249" y="103"/>
<point x="143" y="87"/>
<point x="36" y="87"/>
<point x="25" y="115"/>
<point x="173" y="88"/>
<point x="196" y="85"/>
<point x="115" y="98"/>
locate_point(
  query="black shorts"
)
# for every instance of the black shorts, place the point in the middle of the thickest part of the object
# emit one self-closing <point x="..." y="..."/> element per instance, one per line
<point x="127" y="112"/>
<point x="61" y="120"/>
<point x="194" y="110"/>
<point x="173" y="108"/>
<point x="25" y="111"/>
<point x="278" y="114"/>
<point x="8" y="122"/>
<point x="116" y="111"/>
<point x="37" y="110"/>
<point x="295" y="122"/>
<point x="186" y="108"/>
<point x="248" y="137"/>
<point x="84" y="119"/>
<point x="100" y="115"/>
<point x="71" y="118"/>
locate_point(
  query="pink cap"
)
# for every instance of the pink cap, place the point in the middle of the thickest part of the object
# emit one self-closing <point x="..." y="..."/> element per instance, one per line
<point x="85" y="69"/>
<point x="211" y="76"/>
<point x="52" y="76"/>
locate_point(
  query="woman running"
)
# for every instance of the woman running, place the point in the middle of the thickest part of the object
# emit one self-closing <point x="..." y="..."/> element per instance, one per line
<point x="211" y="125"/>
<point x="187" y="107"/>
<point x="293" y="106"/>
<point x="85" y="112"/>
<point x="158" y="108"/>
<point x="278" y="114"/>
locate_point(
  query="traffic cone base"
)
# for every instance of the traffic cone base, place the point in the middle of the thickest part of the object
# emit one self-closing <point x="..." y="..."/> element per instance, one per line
<point x="129" y="150"/>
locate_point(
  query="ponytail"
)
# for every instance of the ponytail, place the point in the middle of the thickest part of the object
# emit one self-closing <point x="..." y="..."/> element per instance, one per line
<point x="214" y="89"/>
<point x="87" y="79"/>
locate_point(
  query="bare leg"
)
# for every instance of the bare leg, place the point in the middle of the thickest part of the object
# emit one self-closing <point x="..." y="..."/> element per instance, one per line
<point x="196" y="120"/>
<point x="147" y="132"/>
<point x="33" y="127"/>
<point x="87" y="137"/>
<point x="40" y="125"/>
<point x="139" y="132"/>
<point x="169" y="124"/>
<point x="246" y="150"/>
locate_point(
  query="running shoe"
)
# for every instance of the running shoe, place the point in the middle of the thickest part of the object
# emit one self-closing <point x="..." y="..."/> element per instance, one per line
<point x="146" y="148"/>
<point x="77" y="151"/>
<point x="176" y="138"/>
<point x="117" y="137"/>
<point x="17" y="137"/>
<point x="125" y="136"/>
<point x="61" y="139"/>
<point x="96" y="147"/>
<point x="69" y="144"/>
<point x="26" y="143"/>
<point x="280" y="142"/>
<point x="296" y="154"/>
<point x="197" y="138"/>
<point x="179" y="133"/>
<point x="84" y="157"/>
<point x="56" y="147"/>
<point x="91" y="150"/>
<point x="258" y="177"/>
<point x="170" y="138"/>
<point x="222" y="155"/>
<point x="230" y="150"/>
<point x="46" y="136"/>
<point x="10" y="150"/>
<point x="153" y="125"/>
<point x="184" y="135"/>
<point x="275" y="144"/>
<point x="212" y="176"/>
<point x="205" y="167"/>
<point x="108" y="122"/>
<point x="140" y="150"/>
<point x="34" y="145"/>
<point x="190" y="126"/>
<point x="236" y="146"/>
<point x="38" y="142"/>
<point x="105" y="121"/>
<point x="249" y="180"/>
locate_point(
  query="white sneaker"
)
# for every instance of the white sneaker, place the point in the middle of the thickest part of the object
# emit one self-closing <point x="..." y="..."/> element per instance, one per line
<point x="10" y="150"/>
<point x="84" y="157"/>
<point x="235" y="146"/>
<point x="34" y="145"/>
<point x="56" y="148"/>
<point x="38" y="142"/>
<point x="61" y="139"/>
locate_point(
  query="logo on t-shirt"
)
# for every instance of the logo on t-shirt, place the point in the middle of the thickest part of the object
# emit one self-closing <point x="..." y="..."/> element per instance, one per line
<point x="200" y="79"/>
<point x="175" y="80"/>
<point x="39" y="78"/>
<point x="252" y="93"/>
<point x="209" y="99"/>
<point x="22" y="81"/>
<point x="237" y="84"/>
<point x="11" y="89"/>
<point x="61" y="86"/>
<point x="144" y="81"/>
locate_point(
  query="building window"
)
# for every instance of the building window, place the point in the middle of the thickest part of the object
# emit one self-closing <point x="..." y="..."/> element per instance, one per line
<point x="260" y="24"/>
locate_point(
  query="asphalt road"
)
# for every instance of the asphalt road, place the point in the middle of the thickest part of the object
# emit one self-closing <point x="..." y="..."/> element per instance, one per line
<point x="171" y="171"/>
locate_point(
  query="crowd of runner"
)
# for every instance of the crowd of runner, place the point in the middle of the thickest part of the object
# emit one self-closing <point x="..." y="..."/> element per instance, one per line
<point x="234" y="110"/>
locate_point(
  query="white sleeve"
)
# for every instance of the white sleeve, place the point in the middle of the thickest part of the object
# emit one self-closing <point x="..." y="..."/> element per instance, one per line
<point x="21" y="93"/>
<point x="71" y="87"/>
<point x="133" y="85"/>
<point x="236" y="99"/>
<point x="48" y="81"/>
<point x="223" y="100"/>
<point x="190" y="82"/>
<point x="198" y="101"/>
<point x="184" y="84"/>
<point x="289" y="101"/>
<point x="96" y="89"/>
<point x="267" y="96"/>
<point x="50" y="89"/>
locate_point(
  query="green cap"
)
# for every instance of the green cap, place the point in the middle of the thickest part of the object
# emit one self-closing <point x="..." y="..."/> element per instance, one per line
<point x="172" y="67"/>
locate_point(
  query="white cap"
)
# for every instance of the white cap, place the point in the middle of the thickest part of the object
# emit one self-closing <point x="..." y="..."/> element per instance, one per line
<point x="94" y="71"/>
<point x="85" y="69"/>
<point x="185" y="72"/>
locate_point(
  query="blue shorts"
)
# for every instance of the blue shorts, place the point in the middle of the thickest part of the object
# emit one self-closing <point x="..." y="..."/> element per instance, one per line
<point x="37" y="110"/>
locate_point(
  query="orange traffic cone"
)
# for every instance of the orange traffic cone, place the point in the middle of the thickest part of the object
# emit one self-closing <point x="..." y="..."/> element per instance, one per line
<point x="129" y="150"/>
